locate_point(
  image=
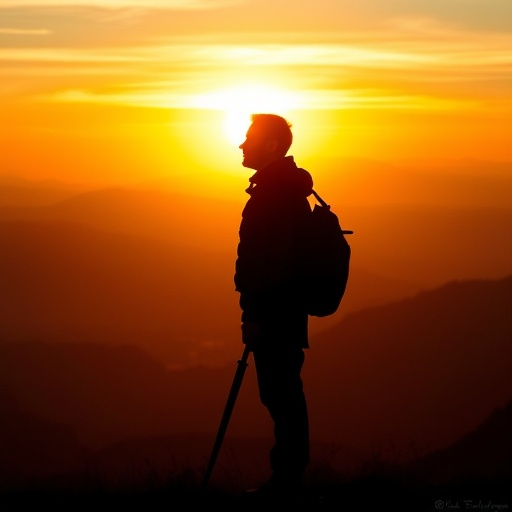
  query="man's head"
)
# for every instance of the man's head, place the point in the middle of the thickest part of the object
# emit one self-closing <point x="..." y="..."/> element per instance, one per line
<point x="268" y="138"/>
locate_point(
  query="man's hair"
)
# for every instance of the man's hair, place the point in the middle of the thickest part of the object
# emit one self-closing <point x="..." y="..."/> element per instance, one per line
<point x="274" y="126"/>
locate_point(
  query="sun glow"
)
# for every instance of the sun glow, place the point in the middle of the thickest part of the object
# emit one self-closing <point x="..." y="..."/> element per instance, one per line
<point x="238" y="103"/>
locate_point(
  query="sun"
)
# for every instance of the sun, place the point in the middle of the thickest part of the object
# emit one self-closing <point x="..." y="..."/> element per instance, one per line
<point x="238" y="103"/>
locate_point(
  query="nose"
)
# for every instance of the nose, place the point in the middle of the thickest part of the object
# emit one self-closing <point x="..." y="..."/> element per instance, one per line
<point x="242" y="145"/>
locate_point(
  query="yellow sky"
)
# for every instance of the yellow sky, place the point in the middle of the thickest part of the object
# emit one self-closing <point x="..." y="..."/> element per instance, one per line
<point x="130" y="91"/>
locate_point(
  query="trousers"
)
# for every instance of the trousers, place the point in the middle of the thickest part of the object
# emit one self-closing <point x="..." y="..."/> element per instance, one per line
<point x="278" y="371"/>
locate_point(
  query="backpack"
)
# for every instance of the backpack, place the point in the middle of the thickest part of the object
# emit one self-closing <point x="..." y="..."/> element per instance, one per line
<point x="327" y="259"/>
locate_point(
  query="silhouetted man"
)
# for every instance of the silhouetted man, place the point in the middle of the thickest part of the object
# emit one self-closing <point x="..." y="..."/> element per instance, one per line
<point x="269" y="279"/>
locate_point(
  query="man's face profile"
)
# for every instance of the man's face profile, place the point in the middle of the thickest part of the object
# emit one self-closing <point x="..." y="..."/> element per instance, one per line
<point x="258" y="149"/>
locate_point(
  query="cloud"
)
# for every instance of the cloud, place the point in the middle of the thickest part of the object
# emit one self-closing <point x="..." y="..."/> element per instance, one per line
<point x="189" y="68"/>
<point x="409" y="62"/>
<point x="25" y="31"/>
<point x="120" y="4"/>
<point x="161" y="96"/>
<point x="486" y="15"/>
<point x="460" y="52"/>
<point x="395" y="76"/>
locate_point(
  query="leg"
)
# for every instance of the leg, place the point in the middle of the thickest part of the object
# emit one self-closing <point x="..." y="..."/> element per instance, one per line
<point x="281" y="392"/>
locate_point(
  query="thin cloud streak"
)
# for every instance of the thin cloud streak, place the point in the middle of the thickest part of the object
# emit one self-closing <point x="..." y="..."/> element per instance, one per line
<point x="448" y="54"/>
<point x="330" y="71"/>
<point x="306" y="100"/>
<point x="121" y="4"/>
<point x="25" y="32"/>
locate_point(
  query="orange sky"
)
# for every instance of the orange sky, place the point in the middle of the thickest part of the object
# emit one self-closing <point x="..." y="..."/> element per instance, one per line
<point x="139" y="92"/>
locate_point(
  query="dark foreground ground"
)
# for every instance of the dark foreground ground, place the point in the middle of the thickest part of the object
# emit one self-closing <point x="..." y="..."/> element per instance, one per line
<point x="369" y="493"/>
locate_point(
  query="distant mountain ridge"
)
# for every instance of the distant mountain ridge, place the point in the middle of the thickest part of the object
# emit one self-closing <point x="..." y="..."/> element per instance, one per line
<point x="398" y="380"/>
<point x="444" y="354"/>
<point x="482" y="455"/>
<point x="67" y="281"/>
<point x="120" y="321"/>
<point x="184" y="221"/>
<point x="161" y="266"/>
<point x="71" y="282"/>
<point x="391" y="239"/>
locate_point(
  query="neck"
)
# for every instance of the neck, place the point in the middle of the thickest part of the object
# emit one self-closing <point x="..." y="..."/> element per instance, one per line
<point x="269" y="161"/>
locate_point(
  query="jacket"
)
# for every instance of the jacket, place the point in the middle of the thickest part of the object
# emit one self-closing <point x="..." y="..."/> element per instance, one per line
<point x="268" y="265"/>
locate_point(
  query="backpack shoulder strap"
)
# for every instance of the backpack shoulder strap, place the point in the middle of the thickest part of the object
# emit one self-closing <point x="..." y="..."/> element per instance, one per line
<point x="325" y="205"/>
<point x="320" y="200"/>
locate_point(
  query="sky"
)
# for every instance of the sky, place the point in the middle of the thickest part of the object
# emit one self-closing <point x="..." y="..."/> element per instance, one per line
<point x="132" y="91"/>
<point x="406" y="102"/>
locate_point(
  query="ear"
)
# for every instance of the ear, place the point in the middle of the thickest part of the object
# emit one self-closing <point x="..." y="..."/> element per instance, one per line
<point x="272" y="145"/>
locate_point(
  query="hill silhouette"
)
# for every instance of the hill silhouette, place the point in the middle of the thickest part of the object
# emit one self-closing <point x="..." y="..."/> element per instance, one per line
<point x="386" y="383"/>
<point x="482" y="455"/>
<point x="404" y="235"/>
<point x="17" y="193"/>
<point x="425" y="369"/>
<point x="184" y="221"/>
<point x="72" y="282"/>
<point x="146" y="266"/>
<point x="32" y="447"/>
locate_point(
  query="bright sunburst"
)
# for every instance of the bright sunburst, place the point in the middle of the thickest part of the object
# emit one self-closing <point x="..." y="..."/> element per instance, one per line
<point x="238" y="103"/>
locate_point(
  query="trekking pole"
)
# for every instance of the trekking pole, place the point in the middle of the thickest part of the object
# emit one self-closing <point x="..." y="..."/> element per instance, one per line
<point x="235" y="388"/>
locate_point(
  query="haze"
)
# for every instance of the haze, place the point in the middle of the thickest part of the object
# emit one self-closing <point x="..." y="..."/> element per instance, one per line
<point x="121" y="189"/>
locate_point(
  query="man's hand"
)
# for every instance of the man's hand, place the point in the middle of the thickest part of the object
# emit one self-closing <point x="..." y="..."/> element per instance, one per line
<point x="250" y="333"/>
